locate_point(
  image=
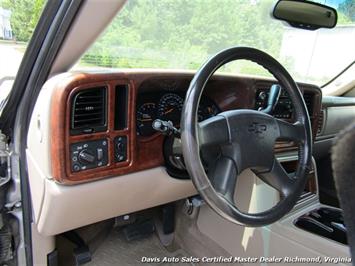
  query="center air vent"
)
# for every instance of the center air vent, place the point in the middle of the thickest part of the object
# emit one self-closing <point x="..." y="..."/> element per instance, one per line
<point x="89" y="111"/>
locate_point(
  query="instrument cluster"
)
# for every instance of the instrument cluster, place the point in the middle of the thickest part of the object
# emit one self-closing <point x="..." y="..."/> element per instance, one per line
<point x="167" y="106"/>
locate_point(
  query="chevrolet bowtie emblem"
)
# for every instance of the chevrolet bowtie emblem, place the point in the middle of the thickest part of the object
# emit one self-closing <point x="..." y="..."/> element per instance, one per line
<point x="256" y="128"/>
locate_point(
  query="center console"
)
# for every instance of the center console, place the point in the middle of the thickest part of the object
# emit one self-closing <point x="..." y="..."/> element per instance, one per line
<point x="325" y="222"/>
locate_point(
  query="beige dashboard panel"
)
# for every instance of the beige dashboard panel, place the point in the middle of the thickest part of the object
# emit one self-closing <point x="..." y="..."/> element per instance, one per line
<point x="68" y="207"/>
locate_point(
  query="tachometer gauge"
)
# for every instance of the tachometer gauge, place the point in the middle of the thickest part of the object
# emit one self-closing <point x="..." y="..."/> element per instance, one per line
<point x="146" y="114"/>
<point x="169" y="108"/>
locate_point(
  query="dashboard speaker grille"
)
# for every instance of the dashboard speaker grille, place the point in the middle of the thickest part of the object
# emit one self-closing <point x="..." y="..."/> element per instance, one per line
<point x="89" y="111"/>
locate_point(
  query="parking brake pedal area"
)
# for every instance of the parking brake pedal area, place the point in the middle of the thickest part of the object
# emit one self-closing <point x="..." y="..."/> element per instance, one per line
<point x="139" y="229"/>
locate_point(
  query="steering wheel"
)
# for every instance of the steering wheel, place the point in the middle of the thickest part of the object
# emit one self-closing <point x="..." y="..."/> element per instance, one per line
<point x="243" y="139"/>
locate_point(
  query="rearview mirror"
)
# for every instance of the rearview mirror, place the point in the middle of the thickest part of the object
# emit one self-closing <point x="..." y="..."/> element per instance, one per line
<point x="305" y="14"/>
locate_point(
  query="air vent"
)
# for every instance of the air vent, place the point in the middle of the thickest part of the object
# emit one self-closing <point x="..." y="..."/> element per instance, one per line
<point x="308" y="98"/>
<point x="320" y="122"/>
<point x="89" y="111"/>
<point x="121" y="105"/>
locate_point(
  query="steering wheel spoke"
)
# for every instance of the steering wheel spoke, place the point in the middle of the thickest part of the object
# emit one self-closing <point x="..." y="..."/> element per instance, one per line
<point x="291" y="131"/>
<point x="213" y="131"/>
<point x="278" y="178"/>
<point x="223" y="176"/>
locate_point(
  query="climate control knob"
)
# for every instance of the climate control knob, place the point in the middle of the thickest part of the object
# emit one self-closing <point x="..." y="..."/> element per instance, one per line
<point x="86" y="157"/>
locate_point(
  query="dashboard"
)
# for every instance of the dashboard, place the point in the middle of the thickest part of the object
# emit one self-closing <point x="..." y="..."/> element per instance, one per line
<point x="90" y="143"/>
<point x="101" y="123"/>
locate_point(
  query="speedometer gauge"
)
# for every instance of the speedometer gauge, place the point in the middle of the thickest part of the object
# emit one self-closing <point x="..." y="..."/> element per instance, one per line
<point x="146" y="114"/>
<point x="169" y="108"/>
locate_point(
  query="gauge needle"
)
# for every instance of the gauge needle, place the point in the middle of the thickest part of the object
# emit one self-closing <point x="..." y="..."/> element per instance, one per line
<point x="169" y="111"/>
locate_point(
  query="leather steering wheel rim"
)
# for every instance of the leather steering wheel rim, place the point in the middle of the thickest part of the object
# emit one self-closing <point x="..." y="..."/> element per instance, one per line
<point x="230" y="129"/>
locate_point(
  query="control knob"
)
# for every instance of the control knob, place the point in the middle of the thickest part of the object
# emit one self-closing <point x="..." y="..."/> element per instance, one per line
<point x="262" y="95"/>
<point x="86" y="157"/>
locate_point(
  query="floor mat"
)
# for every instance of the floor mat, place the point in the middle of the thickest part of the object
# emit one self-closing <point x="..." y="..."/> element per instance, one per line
<point x="116" y="250"/>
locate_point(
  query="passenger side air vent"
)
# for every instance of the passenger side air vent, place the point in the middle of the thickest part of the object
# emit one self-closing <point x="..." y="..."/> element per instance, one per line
<point x="320" y="122"/>
<point x="89" y="111"/>
<point x="308" y="99"/>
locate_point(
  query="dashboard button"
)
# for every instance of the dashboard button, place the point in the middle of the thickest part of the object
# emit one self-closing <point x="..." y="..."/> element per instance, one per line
<point x="119" y="146"/>
<point x="76" y="168"/>
<point x="100" y="154"/>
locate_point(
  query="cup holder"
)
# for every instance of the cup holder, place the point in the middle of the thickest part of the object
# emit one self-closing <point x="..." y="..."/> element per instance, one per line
<point x="325" y="222"/>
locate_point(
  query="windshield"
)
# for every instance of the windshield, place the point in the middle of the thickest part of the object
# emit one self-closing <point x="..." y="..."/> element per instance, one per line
<point x="182" y="34"/>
